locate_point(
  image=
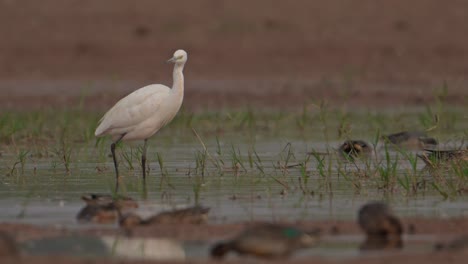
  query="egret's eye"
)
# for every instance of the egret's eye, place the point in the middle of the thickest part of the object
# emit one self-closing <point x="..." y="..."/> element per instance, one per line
<point x="180" y="57"/>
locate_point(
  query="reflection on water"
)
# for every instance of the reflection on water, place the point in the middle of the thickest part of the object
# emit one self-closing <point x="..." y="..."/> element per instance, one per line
<point x="382" y="243"/>
<point x="107" y="246"/>
<point x="336" y="247"/>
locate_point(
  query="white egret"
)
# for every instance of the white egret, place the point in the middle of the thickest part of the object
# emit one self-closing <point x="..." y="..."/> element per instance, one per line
<point x="142" y="113"/>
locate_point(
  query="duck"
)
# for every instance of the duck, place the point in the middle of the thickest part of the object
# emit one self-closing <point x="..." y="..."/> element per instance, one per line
<point x="433" y="158"/>
<point x="355" y="148"/>
<point x="104" y="208"/>
<point x="191" y="215"/>
<point x="106" y="199"/>
<point x="100" y="214"/>
<point x="267" y="240"/>
<point x="410" y="139"/>
<point x="376" y="218"/>
<point x="382" y="228"/>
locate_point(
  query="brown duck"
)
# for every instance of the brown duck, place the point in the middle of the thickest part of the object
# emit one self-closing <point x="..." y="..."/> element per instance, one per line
<point x="107" y="199"/>
<point x="410" y="139"/>
<point x="383" y="229"/>
<point x="104" y="208"/>
<point x="355" y="148"/>
<point x="191" y="215"/>
<point x="433" y="158"/>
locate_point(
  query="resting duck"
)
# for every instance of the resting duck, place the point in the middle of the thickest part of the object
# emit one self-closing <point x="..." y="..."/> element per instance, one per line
<point x="433" y="158"/>
<point x="104" y="208"/>
<point x="267" y="240"/>
<point x="106" y="199"/>
<point x="192" y="215"/>
<point x="355" y="148"/>
<point x="410" y="139"/>
<point x="383" y="229"/>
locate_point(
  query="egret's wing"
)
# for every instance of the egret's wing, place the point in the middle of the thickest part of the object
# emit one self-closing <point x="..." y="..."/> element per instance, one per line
<point x="133" y="109"/>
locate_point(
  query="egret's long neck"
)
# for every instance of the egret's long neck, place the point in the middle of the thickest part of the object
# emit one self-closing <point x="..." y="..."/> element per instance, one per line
<point x="178" y="77"/>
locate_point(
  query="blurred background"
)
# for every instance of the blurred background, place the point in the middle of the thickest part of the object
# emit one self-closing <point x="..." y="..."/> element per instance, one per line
<point x="283" y="54"/>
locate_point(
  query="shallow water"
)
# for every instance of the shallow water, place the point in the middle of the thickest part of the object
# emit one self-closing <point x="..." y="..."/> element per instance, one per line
<point x="261" y="189"/>
<point x="333" y="247"/>
<point x="258" y="171"/>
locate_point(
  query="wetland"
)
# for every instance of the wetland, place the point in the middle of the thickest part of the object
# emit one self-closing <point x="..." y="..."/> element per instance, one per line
<point x="246" y="165"/>
<point x="273" y="93"/>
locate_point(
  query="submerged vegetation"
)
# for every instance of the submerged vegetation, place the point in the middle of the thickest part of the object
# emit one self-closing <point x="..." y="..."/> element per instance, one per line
<point x="261" y="153"/>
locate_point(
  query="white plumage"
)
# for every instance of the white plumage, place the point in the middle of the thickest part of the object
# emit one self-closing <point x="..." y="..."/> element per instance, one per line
<point x="142" y="113"/>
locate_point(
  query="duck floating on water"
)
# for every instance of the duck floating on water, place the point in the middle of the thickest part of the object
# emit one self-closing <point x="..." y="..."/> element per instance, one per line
<point x="410" y="139"/>
<point x="267" y="240"/>
<point x="383" y="229"/>
<point x="104" y="208"/>
<point x="355" y="148"/>
<point x="433" y="158"/>
<point x="192" y="215"/>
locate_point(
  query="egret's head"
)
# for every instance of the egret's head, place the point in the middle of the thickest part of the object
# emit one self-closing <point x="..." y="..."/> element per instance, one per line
<point x="180" y="56"/>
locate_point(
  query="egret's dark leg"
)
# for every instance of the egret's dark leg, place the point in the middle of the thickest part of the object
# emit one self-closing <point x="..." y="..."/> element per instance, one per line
<point x="116" y="165"/>
<point x="143" y="159"/>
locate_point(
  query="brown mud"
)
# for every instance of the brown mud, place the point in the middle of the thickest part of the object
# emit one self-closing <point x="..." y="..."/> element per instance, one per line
<point x="261" y="53"/>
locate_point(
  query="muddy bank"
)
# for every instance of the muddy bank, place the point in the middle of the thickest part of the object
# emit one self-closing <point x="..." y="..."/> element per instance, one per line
<point x="280" y="55"/>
